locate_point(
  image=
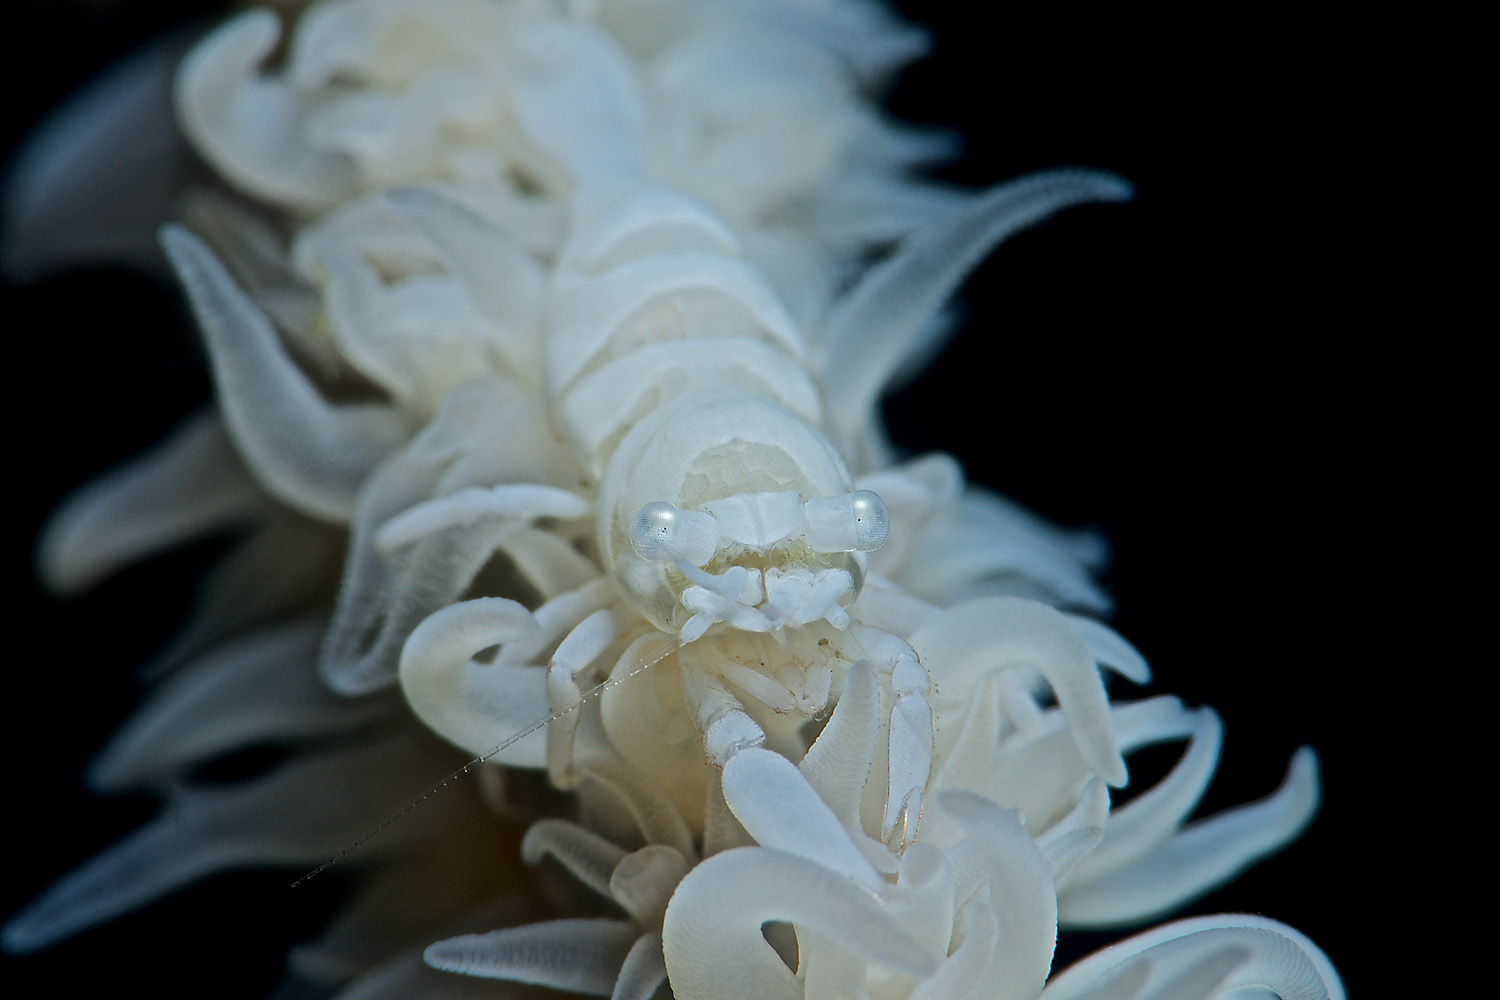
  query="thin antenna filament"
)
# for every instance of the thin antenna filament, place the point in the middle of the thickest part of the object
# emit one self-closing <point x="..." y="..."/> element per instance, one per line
<point x="505" y="744"/>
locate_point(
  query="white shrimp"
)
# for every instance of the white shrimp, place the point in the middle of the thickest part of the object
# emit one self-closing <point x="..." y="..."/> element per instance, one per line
<point x="721" y="509"/>
<point x="732" y="540"/>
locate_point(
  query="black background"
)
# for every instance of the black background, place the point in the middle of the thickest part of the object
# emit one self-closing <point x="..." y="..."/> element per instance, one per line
<point x="1186" y="372"/>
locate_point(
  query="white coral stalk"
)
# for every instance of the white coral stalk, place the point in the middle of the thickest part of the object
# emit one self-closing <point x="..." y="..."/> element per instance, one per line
<point x="555" y="324"/>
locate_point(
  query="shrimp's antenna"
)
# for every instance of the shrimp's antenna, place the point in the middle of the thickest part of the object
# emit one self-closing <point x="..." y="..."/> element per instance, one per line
<point x="504" y="744"/>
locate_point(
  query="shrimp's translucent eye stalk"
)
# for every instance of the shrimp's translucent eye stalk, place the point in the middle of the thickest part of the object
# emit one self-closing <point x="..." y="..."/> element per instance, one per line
<point x="848" y="523"/>
<point x="662" y="532"/>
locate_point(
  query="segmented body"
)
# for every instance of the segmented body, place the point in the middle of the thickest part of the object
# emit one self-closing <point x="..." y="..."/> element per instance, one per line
<point x="682" y="386"/>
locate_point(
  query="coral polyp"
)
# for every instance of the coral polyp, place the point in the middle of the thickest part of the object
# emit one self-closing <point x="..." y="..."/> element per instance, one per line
<point x="547" y="344"/>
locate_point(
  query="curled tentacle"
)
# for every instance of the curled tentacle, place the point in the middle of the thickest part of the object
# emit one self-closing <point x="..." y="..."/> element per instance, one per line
<point x="871" y="330"/>
<point x="712" y="933"/>
<point x="470" y="703"/>
<point x="192" y="484"/>
<point x="310" y="453"/>
<point x="1203" y="958"/>
<point x="1002" y="633"/>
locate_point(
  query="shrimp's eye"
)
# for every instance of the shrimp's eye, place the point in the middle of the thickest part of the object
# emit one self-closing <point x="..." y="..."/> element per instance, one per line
<point x="851" y="522"/>
<point x="664" y="533"/>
